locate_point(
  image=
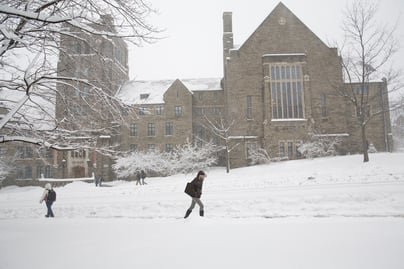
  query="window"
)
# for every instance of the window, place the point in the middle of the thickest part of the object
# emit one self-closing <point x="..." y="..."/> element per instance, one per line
<point x="20" y="173"/>
<point x="151" y="129"/>
<point x="159" y="110"/>
<point x="144" y="96"/>
<point x="24" y="152"/>
<point x="39" y="171"/>
<point x="358" y="90"/>
<point x="323" y="106"/>
<point x="44" y="171"/>
<point x="281" y="149"/>
<point x="133" y="147"/>
<point x="151" y="147"/>
<point x="133" y="129"/>
<point x="169" y="128"/>
<point x="80" y="153"/>
<point x="169" y="147"/>
<point x="178" y="111"/>
<point x="297" y="145"/>
<point x="286" y="91"/>
<point x="28" y="172"/>
<point x="46" y="153"/>
<point x="290" y="150"/>
<point x="200" y="95"/>
<point x="142" y="111"/>
<point x="249" y="107"/>
<point x="250" y="148"/>
<point x="48" y="172"/>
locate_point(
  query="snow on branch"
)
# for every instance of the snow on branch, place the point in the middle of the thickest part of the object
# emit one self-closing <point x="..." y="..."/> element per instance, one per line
<point x="184" y="159"/>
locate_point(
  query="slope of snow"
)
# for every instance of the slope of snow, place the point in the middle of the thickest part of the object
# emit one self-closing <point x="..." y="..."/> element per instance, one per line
<point x="333" y="212"/>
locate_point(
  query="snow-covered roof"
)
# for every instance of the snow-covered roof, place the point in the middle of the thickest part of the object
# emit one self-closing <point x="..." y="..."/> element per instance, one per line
<point x="203" y="84"/>
<point x="152" y="91"/>
<point x="332" y="135"/>
<point x="283" y="54"/>
<point x="243" y="137"/>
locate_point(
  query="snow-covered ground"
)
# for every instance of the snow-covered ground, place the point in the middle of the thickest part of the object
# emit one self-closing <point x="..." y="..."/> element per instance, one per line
<point x="333" y="212"/>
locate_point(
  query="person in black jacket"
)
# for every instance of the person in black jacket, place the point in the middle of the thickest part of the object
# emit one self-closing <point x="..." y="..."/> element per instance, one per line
<point x="196" y="195"/>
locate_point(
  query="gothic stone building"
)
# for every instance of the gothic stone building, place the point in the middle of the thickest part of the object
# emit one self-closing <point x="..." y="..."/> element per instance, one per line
<point x="103" y="62"/>
<point x="278" y="88"/>
<point x="99" y="60"/>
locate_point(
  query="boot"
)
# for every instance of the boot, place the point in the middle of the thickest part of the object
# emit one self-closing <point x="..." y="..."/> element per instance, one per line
<point x="187" y="213"/>
<point x="201" y="213"/>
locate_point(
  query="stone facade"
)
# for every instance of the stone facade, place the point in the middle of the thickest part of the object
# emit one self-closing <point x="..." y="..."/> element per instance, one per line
<point x="103" y="62"/>
<point x="279" y="88"/>
<point x="168" y="114"/>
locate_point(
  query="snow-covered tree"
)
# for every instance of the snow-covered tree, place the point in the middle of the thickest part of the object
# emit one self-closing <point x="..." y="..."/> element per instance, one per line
<point x="30" y="36"/>
<point x="152" y="161"/>
<point x="190" y="157"/>
<point x="184" y="159"/>
<point x="319" y="146"/>
<point x="259" y="156"/>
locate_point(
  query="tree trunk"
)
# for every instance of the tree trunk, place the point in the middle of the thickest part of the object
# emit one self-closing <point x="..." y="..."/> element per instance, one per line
<point x="365" y="144"/>
<point x="227" y="160"/>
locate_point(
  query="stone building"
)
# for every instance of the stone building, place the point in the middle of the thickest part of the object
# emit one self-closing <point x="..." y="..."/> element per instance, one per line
<point x="279" y="88"/>
<point x="170" y="112"/>
<point x="103" y="62"/>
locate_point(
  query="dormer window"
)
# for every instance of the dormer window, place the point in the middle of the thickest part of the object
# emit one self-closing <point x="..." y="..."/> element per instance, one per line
<point x="144" y="96"/>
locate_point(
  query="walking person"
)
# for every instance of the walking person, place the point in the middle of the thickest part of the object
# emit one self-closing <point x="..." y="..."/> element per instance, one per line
<point x="138" y="176"/>
<point x="194" y="189"/>
<point x="143" y="176"/>
<point x="49" y="196"/>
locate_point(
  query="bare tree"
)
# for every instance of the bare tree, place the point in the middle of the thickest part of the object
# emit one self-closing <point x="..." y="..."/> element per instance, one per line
<point x="221" y="129"/>
<point x="367" y="54"/>
<point x="32" y="84"/>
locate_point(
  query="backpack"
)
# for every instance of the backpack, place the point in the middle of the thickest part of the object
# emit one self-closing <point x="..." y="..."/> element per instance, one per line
<point x="51" y="196"/>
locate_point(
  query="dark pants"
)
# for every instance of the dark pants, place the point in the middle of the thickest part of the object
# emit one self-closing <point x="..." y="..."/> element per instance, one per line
<point x="50" y="212"/>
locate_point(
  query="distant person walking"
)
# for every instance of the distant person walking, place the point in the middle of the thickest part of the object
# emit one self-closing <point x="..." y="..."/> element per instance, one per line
<point x="194" y="189"/>
<point x="49" y="196"/>
<point x="143" y="176"/>
<point x="138" y="177"/>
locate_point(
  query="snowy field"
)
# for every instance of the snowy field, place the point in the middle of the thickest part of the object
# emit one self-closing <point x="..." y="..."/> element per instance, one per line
<point x="333" y="212"/>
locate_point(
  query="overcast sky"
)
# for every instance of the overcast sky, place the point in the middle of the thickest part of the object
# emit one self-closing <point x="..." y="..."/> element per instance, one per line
<point x="193" y="29"/>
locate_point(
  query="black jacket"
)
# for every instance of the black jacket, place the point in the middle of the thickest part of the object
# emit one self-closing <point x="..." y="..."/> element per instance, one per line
<point x="197" y="187"/>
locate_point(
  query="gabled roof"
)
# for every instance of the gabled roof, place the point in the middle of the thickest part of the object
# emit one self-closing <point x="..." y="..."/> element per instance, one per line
<point x="131" y="91"/>
<point x="280" y="8"/>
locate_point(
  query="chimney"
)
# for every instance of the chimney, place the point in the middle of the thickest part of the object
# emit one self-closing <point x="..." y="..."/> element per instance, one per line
<point x="227" y="31"/>
<point x="227" y="37"/>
